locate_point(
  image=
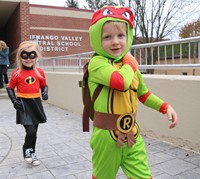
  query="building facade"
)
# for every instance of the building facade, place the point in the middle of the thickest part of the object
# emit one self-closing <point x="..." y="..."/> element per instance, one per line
<point x="58" y="30"/>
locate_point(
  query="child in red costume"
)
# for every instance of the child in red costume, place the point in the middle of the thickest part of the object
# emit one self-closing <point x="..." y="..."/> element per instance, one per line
<point x="30" y="83"/>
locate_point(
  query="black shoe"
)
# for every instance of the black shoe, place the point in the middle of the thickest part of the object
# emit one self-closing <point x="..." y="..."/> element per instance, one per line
<point x="28" y="155"/>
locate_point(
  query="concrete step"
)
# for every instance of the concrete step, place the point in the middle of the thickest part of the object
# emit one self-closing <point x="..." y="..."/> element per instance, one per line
<point x="3" y="93"/>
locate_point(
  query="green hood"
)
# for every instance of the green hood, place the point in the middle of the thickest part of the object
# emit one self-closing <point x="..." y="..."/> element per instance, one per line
<point x="95" y="32"/>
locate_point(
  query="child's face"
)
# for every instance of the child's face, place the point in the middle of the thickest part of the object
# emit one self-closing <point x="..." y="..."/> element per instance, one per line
<point x="28" y="57"/>
<point x="114" y="38"/>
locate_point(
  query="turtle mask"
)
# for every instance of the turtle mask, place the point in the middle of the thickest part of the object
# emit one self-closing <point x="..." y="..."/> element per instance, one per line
<point x="103" y="15"/>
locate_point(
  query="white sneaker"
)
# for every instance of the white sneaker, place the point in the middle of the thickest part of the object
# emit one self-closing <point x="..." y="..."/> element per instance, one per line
<point x="27" y="157"/>
<point x="35" y="161"/>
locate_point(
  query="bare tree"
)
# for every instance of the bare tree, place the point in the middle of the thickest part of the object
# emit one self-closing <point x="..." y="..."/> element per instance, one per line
<point x="96" y="4"/>
<point x="157" y="19"/>
<point x="72" y="3"/>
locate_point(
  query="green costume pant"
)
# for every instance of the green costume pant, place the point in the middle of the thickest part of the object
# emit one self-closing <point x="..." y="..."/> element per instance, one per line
<point x="108" y="157"/>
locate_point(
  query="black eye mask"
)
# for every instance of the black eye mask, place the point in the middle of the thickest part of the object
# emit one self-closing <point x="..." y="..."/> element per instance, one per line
<point x="28" y="55"/>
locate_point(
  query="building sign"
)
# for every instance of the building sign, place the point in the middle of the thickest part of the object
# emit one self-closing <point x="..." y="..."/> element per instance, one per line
<point x="56" y="43"/>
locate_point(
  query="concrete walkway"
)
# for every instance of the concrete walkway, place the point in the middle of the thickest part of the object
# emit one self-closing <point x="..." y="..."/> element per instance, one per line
<point x="65" y="153"/>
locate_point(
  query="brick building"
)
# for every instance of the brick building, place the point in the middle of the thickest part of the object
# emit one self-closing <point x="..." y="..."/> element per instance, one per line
<point x="58" y="30"/>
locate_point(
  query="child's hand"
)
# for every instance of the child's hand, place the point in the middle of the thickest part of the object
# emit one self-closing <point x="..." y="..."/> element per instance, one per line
<point x="130" y="60"/>
<point x="45" y="93"/>
<point x="44" y="96"/>
<point x="172" y="116"/>
<point x="17" y="104"/>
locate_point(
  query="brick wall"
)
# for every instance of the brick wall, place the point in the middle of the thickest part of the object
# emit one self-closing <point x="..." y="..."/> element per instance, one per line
<point x="17" y="29"/>
<point x="60" y="31"/>
<point x="24" y="21"/>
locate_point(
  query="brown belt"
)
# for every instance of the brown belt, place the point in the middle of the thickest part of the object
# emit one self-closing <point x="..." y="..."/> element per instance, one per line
<point x="123" y="123"/>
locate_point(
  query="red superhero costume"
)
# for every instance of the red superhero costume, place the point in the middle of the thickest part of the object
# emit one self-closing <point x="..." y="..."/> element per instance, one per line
<point x="28" y="85"/>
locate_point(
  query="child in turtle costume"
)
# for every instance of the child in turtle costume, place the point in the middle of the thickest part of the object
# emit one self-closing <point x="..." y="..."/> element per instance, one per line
<point x="116" y="141"/>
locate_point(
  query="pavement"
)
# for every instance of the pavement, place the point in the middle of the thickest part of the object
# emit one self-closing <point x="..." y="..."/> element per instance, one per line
<point x="65" y="153"/>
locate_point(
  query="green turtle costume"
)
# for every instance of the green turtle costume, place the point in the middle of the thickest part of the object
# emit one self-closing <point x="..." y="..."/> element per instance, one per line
<point x="116" y="141"/>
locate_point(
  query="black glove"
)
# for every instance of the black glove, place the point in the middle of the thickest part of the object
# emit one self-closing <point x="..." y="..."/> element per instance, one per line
<point x="16" y="103"/>
<point x="45" y="93"/>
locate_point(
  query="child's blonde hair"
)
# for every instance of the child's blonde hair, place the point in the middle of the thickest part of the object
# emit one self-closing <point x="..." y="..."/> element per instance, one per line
<point x="118" y="25"/>
<point x="24" y="46"/>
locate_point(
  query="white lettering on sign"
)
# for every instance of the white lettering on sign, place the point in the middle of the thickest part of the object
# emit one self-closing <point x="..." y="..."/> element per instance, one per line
<point x="56" y="43"/>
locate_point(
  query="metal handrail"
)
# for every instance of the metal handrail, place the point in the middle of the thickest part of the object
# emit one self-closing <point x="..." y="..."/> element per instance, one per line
<point x="150" y="56"/>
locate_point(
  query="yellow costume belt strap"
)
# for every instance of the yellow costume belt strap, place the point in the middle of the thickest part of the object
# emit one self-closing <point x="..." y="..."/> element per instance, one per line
<point x="28" y="95"/>
<point x="123" y="123"/>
